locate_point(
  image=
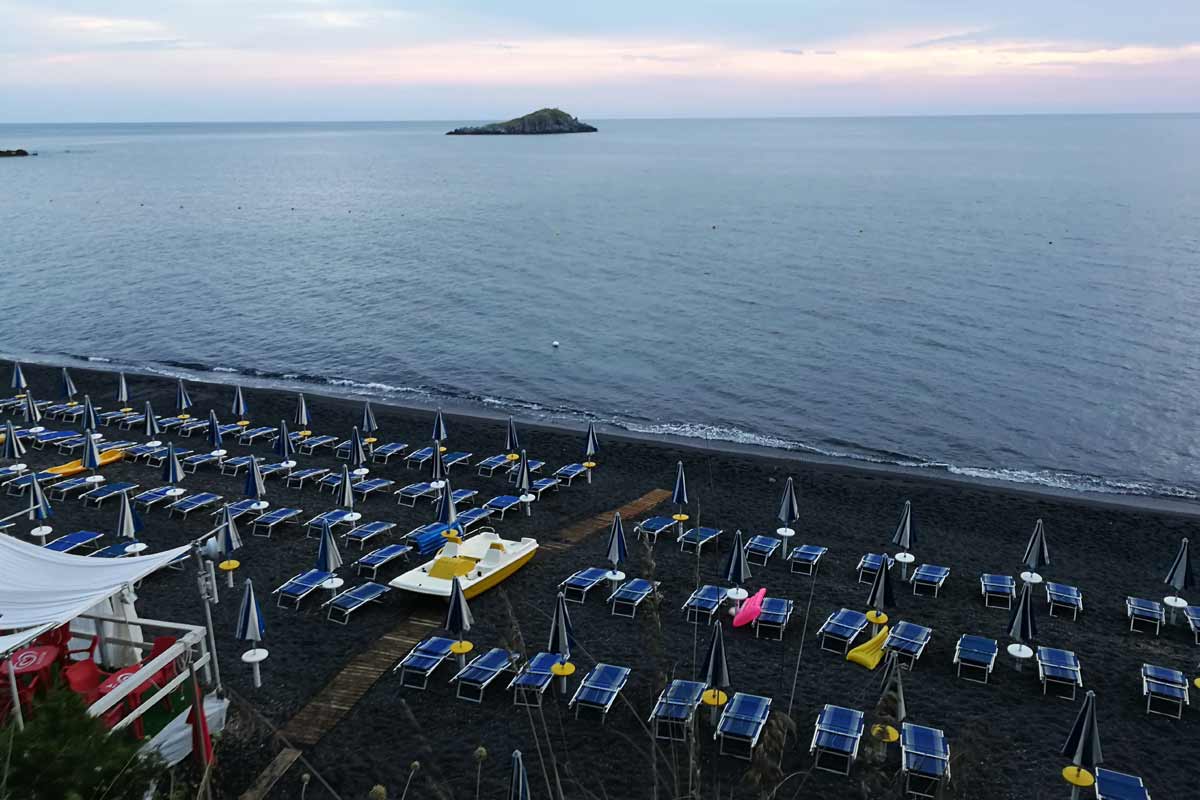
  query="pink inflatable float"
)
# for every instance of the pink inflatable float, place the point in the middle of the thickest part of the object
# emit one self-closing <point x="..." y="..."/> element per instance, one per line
<point x="750" y="609"/>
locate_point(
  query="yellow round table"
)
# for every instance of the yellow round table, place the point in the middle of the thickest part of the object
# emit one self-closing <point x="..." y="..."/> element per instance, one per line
<point x="231" y="564"/>
<point x="125" y="410"/>
<point x="877" y="617"/>
<point x="714" y="698"/>
<point x="885" y="733"/>
<point x="185" y="416"/>
<point x="680" y="517"/>
<point x="589" y="465"/>
<point x="243" y="423"/>
<point x="304" y="434"/>
<point x="370" y="440"/>
<point x="513" y="456"/>
<point x="563" y="670"/>
<point x="441" y="449"/>
<point x="1077" y="776"/>
<point x="461" y="648"/>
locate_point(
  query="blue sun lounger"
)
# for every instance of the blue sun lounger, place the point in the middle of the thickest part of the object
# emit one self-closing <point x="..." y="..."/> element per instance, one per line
<point x="1164" y="688"/>
<point x="1112" y="785"/>
<point x="279" y="467"/>
<point x="416" y="668"/>
<point x="534" y="466"/>
<point x="12" y="471"/>
<point x="193" y="463"/>
<point x="759" y="549"/>
<point x="489" y="465"/>
<point x="836" y="737"/>
<point x="418" y="457"/>
<point x="248" y="436"/>
<point x="68" y="446"/>
<point x="428" y="538"/>
<point x="626" y="599"/>
<point x="74" y="541"/>
<point x="928" y="579"/>
<point x="475" y="677"/>
<point x="652" y="527"/>
<point x="409" y="495"/>
<point x="364" y="488"/>
<point x="1144" y="615"/>
<point x="454" y="459"/>
<point x="314" y="443"/>
<point x="53" y="438"/>
<point x="139" y="451"/>
<point x="841" y="629"/>
<point x="97" y="496"/>
<point x="502" y="504"/>
<point x="805" y="559"/>
<point x="1060" y="669"/>
<point x="107" y="418"/>
<point x="276" y="516"/>
<point x="332" y="518"/>
<point x="297" y="479"/>
<point x="361" y="534"/>
<point x="464" y="496"/>
<point x="60" y="490"/>
<point x="773" y="618"/>
<point x="152" y="497"/>
<point x="976" y="655"/>
<point x="122" y="444"/>
<point x="346" y="603"/>
<point x="694" y="539"/>
<point x="569" y="472"/>
<point x="742" y="724"/>
<point x="533" y="679"/>
<point x="301" y="586"/>
<point x="186" y="505"/>
<point x="232" y="466"/>
<point x="333" y="482"/>
<point x="924" y="760"/>
<point x="675" y="710"/>
<point x="19" y="484"/>
<point x="575" y="588"/>
<point x="118" y="550"/>
<point x="380" y="557"/>
<point x="193" y="426"/>
<point x="868" y="565"/>
<point x="541" y="485"/>
<point x="384" y="453"/>
<point x="998" y="590"/>
<point x="239" y="509"/>
<point x="1060" y="595"/>
<point x="170" y="423"/>
<point x="157" y="459"/>
<point x="471" y="517"/>
<point x="704" y="603"/>
<point x="1192" y="615"/>
<point x="908" y="641"/>
<point x="131" y="419"/>
<point x="599" y="689"/>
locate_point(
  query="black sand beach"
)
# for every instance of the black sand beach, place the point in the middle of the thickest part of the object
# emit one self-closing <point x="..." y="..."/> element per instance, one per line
<point x="1004" y="736"/>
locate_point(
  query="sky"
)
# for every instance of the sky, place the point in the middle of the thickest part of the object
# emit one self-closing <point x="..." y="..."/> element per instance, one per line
<point x="215" y="60"/>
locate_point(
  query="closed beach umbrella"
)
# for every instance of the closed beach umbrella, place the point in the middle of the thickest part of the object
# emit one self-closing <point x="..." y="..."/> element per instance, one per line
<point x="214" y="430"/>
<point x="716" y="675"/>
<point x="679" y="496"/>
<point x="357" y="456"/>
<point x="90" y="424"/>
<point x="183" y="401"/>
<point x="562" y="633"/>
<point x="1083" y="742"/>
<point x="129" y="524"/>
<point x="368" y="425"/>
<point x="346" y="489"/>
<point x="18" y="378"/>
<point x="255" y="488"/>
<point x="239" y="407"/>
<point x="13" y="449"/>
<point x="172" y="472"/>
<point x="328" y="557"/>
<point x="737" y="571"/>
<point x="523" y="483"/>
<point x="881" y="595"/>
<point x="122" y="389"/>
<point x="1180" y="574"/>
<point x="67" y="386"/>
<point x="1037" y="554"/>
<point x="32" y="414"/>
<point x="903" y="537"/>
<point x="617" y="551"/>
<point x="891" y="700"/>
<point x="789" y="506"/>
<point x="447" y="514"/>
<point x="150" y="424"/>
<point x="437" y="466"/>
<point x="439" y="428"/>
<point x="1021" y="625"/>
<point x="39" y="505"/>
<point x="250" y="626"/>
<point x="228" y="537"/>
<point x="303" y="419"/>
<point x="91" y="454"/>
<point x="512" y="442"/>
<point x="458" y="620"/>
<point x="518" y="785"/>
<point x="283" y="443"/>
<point x="593" y="444"/>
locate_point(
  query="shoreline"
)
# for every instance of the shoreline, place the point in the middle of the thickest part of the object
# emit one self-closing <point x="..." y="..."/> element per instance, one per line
<point x="456" y="407"/>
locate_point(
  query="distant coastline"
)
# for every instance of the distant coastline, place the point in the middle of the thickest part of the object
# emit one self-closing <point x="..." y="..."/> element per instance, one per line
<point x="18" y="153"/>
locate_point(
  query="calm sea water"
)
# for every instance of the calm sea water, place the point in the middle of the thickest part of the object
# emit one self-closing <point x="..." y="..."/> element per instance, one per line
<point x="1008" y="297"/>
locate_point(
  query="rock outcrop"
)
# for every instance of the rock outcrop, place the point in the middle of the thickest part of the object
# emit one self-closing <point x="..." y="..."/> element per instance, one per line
<point x="545" y="121"/>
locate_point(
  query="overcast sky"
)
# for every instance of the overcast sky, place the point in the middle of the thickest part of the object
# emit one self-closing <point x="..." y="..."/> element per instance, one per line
<point x="149" y="60"/>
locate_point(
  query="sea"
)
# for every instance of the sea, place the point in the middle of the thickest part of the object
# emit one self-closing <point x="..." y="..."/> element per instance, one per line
<point x="1012" y="298"/>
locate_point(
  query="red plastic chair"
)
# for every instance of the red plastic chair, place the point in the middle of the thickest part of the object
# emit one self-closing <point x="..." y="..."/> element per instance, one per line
<point x="84" y="679"/>
<point x="89" y="652"/>
<point x="167" y="673"/>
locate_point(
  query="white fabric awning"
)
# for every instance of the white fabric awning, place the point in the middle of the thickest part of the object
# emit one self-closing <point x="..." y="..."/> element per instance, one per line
<point x="15" y="641"/>
<point x="40" y="586"/>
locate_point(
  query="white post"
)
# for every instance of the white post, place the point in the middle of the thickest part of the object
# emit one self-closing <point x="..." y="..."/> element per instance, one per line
<point x="207" y="587"/>
<point x="16" y="694"/>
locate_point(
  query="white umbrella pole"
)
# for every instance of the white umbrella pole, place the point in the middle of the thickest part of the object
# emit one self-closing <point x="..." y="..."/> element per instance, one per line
<point x="16" y="695"/>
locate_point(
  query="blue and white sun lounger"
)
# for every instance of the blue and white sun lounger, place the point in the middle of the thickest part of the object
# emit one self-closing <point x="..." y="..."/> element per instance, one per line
<point x="759" y="549"/>
<point x="928" y="579"/>
<point x="118" y="550"/>
<point x="675" y="710"/>
<point x="52" y="438"/>
<point x="418" y="457"/>
<point x="68" y="446"/>
<point x="193" y="426"/>
<point x="836" y="737"/>
<point x="868" y="565"/>
<point x="541" y="485"/>
<point x="74" y="541"/>
<point x="301" y="586"/>
<point x="908" y="641"/>
<point x="1060" y="595"/>
<point x="977" y="655"/>
<point x="60" y="490"/>
<point x="19" y="484"/>
<point x="1111" y="785"/>
<point x="122" y="444"/>
<point x="421" y="662"/>
<point x="109" y="417"/>
<point x="265" y="524"/>
<point x="489" y="465"/>
<point x="232" y="466"/>
<point x="297" y="479"/>
<point x="599" y="689"/>
<point x="12" y="471"/>
<point x="131" y="419"/>
<point x="409" y="495"/>
<point x="249" y="435"/>
<point x="704" y="602"/>
<point x="140" y="451"/>
<point x="379" y="557"/>
<point x="314" y="443"/>
<point x="333" y="481"/>
<point x="474" y="678"/>
<point x="1164" y="688"/>
<point x="471" y="517"/>
<point x="841" y="629"/>
<point x="533" y="679"/>
<point x="157" y="458"/>
<point x="169" y="423"/>
<point x="924" y="760"/>
<point x="332" y="518"/>
<point x="626" y="599"/>
<point x="267" y="470"/>
<point x="193" y="463"/>
<point x="454" y="459"/>
<point x="1192" y="615"/>
<point x="361" y="534"/>
<point x="1148" y="614"/>
<point x="97" y="496"/>
<point x="575" y="588"/>
<point x="652" y="527"/>
<point x="349" y="601"/>
<point x="186" y="505"/>
<point x="694" y="539"/>
<point x="773" y="618"/>
<point x="805" y="558"/>
<point x="569" y="472"/>
<point x="365" y="488"/>
<point x="534" y="466"/>
<point x="464" y="496"/>
<point x="998" y="590"/>
<point x="741" y="725"/>
<point x="1059" y="668"/>
<point x="428" y="538"/>
<point x="502" y="504"/>
<point x="239" y="509"/>
<point x="383" y="453"/>
<point x="152" y="497"/>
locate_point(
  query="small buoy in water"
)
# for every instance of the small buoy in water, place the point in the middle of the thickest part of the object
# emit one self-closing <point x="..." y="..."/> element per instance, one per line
<point x="554" y="343"/>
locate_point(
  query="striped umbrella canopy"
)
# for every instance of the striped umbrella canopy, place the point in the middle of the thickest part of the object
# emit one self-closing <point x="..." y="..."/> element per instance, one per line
<point x="881" y="595"/>
<point x="903" y="537"/>
<point x="439" y="428"/>
<point x="1180" y="574"/>
<point x="328" y="557"/>
<point x="18" y="377"/>
<point x="523" y="483"/>
<point x="183" y="401"/>
<point x="1022" y="626"/>
<point x="458" y="620"/>
<point x="518" y="785"/>
<point x="228" y="537"/>
<point x="789" y="506"/>
<point x="255" y="488"/>
<point x="122" y="389"/>
<point x="214" y="430"/>
<point x="90" y="423"/>
<point x="737" y="571"/>
<point x="13" y="449"/>
<point x="438" y="467"/>
<point x="893" y="688"/>
<point x="91" y="454"/>
<point x="150" y="425"/>
<point x="346" y="489"/>
<point x="67" y="386"/>
<point x="617" y="551"/>
<point x="679" y="496"/>
<point x="447" y="514"/>
<point x="39" y="505"/>
<point x="368" y="423"/>
<point x="239" y="409"/>
<point x="357" y="456"/>
<point x="716" y="674"/>
<point x="172" y="472"/>
<point x="593" y="444"/>
<point x="562" y="632"/>
<point x="512" y="442"/>
<point x="129" y="524"/>
<point x="32" y="414"/>
<point x="1083" y="742"/>
<point x="1037" y="554"/>
<point x="283" y="444"/>
<point x="250" y="627"/>
<point x="302" y="417"/>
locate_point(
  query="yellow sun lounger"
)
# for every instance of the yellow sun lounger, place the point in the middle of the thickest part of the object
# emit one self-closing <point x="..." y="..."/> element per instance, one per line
<point x="75" y="467"/>
<point x="870" y="653"/>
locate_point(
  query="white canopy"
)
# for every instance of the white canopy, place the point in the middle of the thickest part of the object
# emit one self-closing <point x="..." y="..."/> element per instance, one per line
<point x="15" y="641"/>
<point x="40" y="586"/>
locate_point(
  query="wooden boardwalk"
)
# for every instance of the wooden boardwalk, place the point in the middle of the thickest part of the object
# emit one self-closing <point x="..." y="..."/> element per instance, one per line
<point x="630" y="511"/>
<point x="269" y="776"/>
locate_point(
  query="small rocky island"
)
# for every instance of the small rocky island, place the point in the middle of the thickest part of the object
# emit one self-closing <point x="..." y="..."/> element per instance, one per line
<point x="14" y="153"/>
<point x="547" y="120"/>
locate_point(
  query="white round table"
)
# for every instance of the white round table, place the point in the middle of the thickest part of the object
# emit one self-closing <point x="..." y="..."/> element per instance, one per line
<point x="155" y="443"/>
<point x="94" y="479"/>
<point x="333" y="584"/>
<point x="437" y="485"/>
<point x="1174" y="603"/>
<point x="1031" y="577"/>
<point x="254" y="658"/>
<point x="137" y="547"/>
<point x="361" y="471"/>
<point x="37" y="429"/>
<point x="1021" y="653"/>
<point x="220" y="454"/>
<point x="904" y="560"/>
<point x="20" y="467"/>
<point x="615" y="576"/>
<point x="175" y="492"/>
<point x="42" y="531"/>
<point x="97" y="437"/>
<point x="353" y="516"/>
<point x="259" y="505"/>
<point x="288" y="464"/>
<point x="786" y="533"/>
<point x="737" y="594"/>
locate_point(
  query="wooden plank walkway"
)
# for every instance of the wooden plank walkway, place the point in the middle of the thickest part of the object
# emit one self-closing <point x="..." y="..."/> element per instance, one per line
<point x="629" y="512"/>
<point x="274" y="771"/>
